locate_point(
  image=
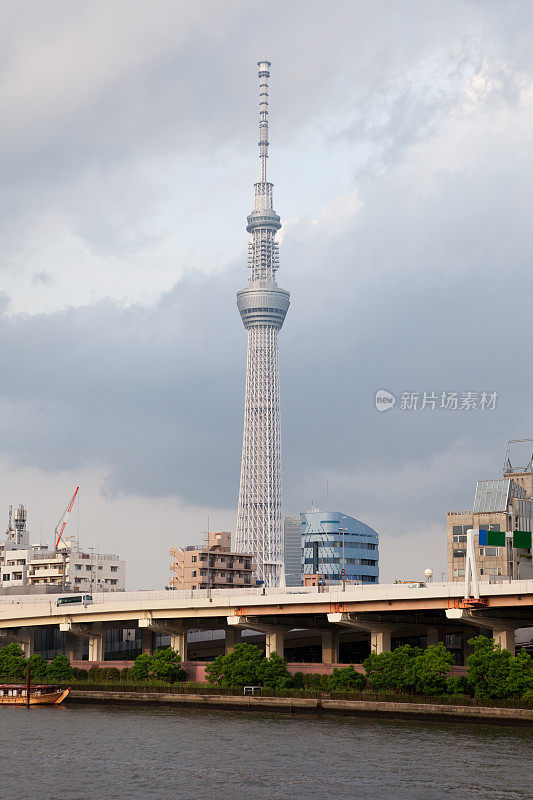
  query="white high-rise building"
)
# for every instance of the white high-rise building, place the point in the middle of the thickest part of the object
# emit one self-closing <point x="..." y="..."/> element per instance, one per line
<point x="263" y="307"/>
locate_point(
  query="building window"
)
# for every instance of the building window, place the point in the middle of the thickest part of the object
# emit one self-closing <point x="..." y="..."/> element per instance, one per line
<point x="193" y="558"/>
<point x="490" y="551"/>
<point x="113" y="569"/>
<point x="194" y="573"/>
<point x="458" y="573"/>
<point x="459" y="553"/>
<point x="78" y="566"/>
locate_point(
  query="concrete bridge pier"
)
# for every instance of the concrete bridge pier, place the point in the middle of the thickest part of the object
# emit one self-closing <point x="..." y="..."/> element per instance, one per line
<point x="274" y="634"/>
<point x="94" y="634"/>
<point x="503" y="630"/>
<point x="71" y="642"/>
<point x="24" y="638"/>
<point x="150" y="626"/>
<point x="232" y="639"/>
<point x="96" y="647"/>
<point x="147" y="641"/>
<point x="330" y="646"/>
<point x="432" y="637"/>
<point x="380" y="634"/>
<point x="178" y="642"/>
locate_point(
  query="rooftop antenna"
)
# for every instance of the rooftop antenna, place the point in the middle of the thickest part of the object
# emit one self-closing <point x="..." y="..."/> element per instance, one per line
<point x="507" y="467"/>
<point x="10" y="529"/>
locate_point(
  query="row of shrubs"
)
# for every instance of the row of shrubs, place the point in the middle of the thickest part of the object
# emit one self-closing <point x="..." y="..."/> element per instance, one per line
<point x="492" y="673"/>
<point x="14" y="666"/>
<point x="164" y="667"/>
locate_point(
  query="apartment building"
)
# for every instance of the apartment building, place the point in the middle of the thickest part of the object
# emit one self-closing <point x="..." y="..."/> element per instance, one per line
<point x="213" y="565"/>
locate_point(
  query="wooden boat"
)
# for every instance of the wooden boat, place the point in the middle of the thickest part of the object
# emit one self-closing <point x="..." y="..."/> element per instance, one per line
<point x="40" y="695"/>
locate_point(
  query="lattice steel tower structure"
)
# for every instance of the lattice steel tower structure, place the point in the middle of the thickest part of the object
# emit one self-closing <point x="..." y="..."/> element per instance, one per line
<point x="262" y="307"/>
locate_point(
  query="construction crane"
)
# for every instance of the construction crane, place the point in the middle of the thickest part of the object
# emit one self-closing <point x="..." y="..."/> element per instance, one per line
<point x="58" y="533"/>
<point x="64" y="518"/>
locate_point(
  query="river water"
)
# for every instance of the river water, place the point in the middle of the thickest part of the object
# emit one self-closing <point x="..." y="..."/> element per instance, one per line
<point x="111" y="752"/>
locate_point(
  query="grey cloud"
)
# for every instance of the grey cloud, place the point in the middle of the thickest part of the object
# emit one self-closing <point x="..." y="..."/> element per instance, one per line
<point x="161" y="100"/>
<point x="425" y="295"/>
<point x="42" y="278"/>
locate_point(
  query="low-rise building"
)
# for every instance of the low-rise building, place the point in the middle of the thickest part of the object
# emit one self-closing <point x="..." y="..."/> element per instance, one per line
<point x="213" y="565"/>
<point x="500" y="505"/>
<point x="82" y="571"/>
<point x="30" y="568"/>
<point x="333" y="542"/>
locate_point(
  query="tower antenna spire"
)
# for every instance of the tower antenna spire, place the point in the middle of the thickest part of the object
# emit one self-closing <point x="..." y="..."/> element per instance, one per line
<point x="263" y="306"/>
<point x="264" y="75"/>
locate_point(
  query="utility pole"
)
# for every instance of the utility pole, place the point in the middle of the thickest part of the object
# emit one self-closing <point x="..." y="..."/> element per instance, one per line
<point x="208" y="565"/>
<point x="92" y="567"/>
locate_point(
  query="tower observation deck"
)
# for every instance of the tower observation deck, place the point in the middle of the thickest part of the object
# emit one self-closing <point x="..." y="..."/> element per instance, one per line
<point x="262" y="306"/>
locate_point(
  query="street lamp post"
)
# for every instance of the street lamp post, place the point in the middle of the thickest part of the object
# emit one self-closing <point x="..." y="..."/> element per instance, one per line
<point x="92" y="567"/>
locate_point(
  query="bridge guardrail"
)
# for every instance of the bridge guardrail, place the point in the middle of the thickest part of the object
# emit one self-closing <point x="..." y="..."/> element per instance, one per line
<point x="452" y="589"/>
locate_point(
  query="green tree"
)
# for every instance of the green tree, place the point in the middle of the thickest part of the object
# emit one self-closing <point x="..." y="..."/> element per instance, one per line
<point x="166" y="666"/>
<point x="59" y="670"/>
<point x="386" y="671"/>
<point x="489" y="668"/>
<point x="316" y="682"/>
<point x="528" y="696"/>
<point x="12" y="663"/>
<point x="273" y="673"/>
<point x="79" y="674"/>
<point x="38" y="668"/>
<point x="426" y="673"/>
<point x="520" y="678"/>
<point x="141" y="667"/>
<point x="298" y="680"/>
<point x="213" y="671"/>
<point x="457" y="684"/>
<point x="346" y="679"/>
<point x="241" y="667"/>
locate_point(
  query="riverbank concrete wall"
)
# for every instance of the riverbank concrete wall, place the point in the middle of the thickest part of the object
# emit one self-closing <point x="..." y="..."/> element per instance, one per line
<point x="313" y="705"/>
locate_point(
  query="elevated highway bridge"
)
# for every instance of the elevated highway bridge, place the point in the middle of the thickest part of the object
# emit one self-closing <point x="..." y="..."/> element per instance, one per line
<point x="375" y="614"/>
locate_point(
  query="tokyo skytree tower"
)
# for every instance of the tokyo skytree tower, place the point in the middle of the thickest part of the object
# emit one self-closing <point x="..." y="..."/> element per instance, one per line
<point x="262" y="307"/>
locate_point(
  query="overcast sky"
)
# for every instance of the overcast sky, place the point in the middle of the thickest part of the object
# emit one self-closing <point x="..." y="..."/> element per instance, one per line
<point x="401" y="153"/>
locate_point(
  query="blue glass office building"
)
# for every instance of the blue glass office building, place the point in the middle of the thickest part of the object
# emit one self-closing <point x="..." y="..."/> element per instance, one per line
<point x="323" y="534"/>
